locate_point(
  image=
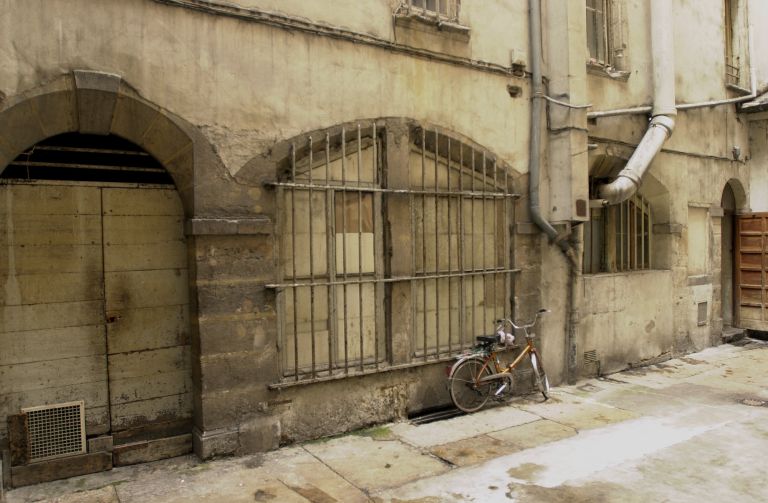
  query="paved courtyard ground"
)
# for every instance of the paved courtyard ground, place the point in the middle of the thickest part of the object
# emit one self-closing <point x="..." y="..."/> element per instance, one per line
<point x="691" y="429"/>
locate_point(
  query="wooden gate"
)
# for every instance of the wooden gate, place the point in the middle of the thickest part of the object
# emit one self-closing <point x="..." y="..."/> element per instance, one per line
<point x="752" y="271"/>
<point x="94" y="307"/>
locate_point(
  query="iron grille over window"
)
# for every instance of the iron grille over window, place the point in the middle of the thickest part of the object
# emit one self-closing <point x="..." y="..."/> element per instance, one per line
<point x="441" y="214"/>
<point x="618" y="238"/>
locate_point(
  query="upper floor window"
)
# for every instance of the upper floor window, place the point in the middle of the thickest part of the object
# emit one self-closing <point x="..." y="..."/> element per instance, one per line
<point x="735" y="17"/>
<point x="385" y="263"/>
<point x="444" y="9"/>
<point x="606" y="29"/>
<point x="598" y="31"/>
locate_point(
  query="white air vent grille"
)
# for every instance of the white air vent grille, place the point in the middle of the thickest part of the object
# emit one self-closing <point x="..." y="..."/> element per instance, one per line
<point x="56" y="430"/>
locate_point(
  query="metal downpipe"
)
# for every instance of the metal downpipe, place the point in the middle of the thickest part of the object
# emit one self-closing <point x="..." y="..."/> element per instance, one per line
<point x="534" y="180"/>
<point x="663" y="123"/>
<point x="534" y="156"/>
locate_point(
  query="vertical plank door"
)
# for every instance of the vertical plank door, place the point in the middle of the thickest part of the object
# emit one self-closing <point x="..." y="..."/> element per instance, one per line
<point x="147" y="311"/>
<point x="52" y="334"/>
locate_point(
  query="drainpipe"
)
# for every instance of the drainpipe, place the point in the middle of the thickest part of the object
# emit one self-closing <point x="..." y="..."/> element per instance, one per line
<point x="534" y="178"/>
<point x="534" y="163"/>
<point x="663" y="112"/>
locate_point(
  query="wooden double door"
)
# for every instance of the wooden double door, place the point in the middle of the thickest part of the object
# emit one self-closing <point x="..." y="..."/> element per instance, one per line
<point x="95" y="307"/>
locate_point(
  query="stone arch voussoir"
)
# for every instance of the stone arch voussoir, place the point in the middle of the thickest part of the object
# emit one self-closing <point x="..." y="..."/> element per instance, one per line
<point x="100" y="103"/>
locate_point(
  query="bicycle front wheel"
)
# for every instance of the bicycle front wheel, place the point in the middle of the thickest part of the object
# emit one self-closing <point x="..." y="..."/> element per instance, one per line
<point x="467" y="392"/>
<point x="541" y="377"/>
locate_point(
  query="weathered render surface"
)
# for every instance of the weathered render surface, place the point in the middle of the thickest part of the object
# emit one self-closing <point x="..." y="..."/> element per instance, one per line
<point x="218" y="92"/>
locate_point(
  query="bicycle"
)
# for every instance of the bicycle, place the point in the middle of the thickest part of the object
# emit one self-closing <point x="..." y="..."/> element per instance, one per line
<point x="478" y="374"/>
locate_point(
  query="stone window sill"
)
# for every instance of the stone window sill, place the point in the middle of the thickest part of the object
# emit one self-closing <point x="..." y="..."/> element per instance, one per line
<point x="433" y="23"/>
<point x="607" y="72"/>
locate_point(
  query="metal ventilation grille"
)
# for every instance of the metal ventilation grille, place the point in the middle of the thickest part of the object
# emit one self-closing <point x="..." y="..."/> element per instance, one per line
<point x="56" y="430"/>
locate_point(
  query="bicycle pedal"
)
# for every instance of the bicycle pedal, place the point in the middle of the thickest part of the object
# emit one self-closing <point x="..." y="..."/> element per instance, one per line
<point x="500" y="390"/>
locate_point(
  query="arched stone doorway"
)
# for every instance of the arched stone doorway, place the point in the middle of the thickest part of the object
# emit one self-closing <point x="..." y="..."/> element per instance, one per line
<point x="728" y="204"/>
<point x="96" y="298"/>
<point x="96" y="186"/>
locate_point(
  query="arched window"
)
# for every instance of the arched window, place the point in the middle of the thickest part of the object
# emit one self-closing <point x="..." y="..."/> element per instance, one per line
<point x="394" y="250"/>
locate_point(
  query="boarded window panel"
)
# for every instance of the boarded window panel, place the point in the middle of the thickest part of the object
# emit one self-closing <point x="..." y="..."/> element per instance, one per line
<point x="307" y="246"/>
<point x="354" y="233"/>
<point x="698" y="240"/>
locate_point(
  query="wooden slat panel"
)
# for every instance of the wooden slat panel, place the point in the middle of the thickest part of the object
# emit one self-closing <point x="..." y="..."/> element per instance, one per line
<point x="146" y="387"/>
<point x="753" y="261"/>
<point x="751" y="278"/>
<point x="129" y="415"/>
<point x="137" y="289"/>
<point x="748" y="224"/>
<point x="53" y="258"/>
<point x="150" y="328"/>
<point x="146" y="286"/>
<point x="52" y="373"/>
<point x="134" y="202"/>
<point x="43" y="316"/>
<point x="52" y="200"/>
<point x="146" y="257"/>
<point x="36" y="345"/>
<point x="51" y="288"/>
<point x="53" y="341"/>
<point x="55" y="230"/>
<point x="751" y="243"/>
<point x="142" y="229"/>
<point x="144" y="363"/>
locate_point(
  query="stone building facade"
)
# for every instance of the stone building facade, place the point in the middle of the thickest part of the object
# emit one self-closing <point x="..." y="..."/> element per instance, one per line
<point x="229" y="226"/>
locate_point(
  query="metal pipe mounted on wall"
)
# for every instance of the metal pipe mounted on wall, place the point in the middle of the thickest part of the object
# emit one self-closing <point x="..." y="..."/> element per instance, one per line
<point x="663" y="112"/>
<point x="702" y="104"/>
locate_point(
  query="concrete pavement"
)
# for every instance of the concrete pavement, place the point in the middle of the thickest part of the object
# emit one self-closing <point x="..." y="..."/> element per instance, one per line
<point x="690" y="429"/>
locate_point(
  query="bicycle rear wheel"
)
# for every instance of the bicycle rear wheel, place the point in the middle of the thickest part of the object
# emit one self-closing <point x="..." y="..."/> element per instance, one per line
<point x="466" y="393"/>
<point x="542" y="381"/>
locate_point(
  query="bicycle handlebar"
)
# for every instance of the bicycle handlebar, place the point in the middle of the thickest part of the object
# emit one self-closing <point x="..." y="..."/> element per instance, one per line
<point x="540" y="312"/>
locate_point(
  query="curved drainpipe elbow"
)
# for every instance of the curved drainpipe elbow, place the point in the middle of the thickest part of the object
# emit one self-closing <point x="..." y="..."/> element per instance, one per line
<point x="628" y="180"/>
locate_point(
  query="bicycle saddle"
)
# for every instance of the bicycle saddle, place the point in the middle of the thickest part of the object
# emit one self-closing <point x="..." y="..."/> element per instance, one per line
<point x="487" y="339"/>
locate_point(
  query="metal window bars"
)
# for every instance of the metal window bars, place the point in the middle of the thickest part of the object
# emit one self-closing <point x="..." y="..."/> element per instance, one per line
<point x="733" y="70"/>
<point x="619" y="238"/>
<point x="332" y="274"/>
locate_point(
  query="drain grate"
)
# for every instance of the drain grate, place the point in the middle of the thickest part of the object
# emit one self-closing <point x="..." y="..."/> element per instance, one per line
<point x="434" y="415"/>
<point x="55" y="430"/>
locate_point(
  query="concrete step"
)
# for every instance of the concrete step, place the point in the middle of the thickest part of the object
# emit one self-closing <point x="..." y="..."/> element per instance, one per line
<point x="732" y="334"/>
